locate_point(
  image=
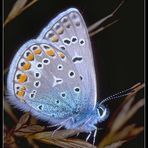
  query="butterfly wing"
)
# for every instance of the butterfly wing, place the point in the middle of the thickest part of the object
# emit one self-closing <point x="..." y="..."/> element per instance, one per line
<point x="43" y="80"/>
<point x="69" y="33"/>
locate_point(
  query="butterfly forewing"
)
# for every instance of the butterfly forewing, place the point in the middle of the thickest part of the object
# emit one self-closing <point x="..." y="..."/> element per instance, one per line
<point x="69" y="33"/>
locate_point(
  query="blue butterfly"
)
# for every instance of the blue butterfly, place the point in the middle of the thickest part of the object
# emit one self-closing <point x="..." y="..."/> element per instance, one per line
<point x="53" y="76"/>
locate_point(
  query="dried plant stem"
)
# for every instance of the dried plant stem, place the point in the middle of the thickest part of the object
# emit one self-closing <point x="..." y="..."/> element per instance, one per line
<point x="32" y="143"/>
<point x="116" y="144"/>
<point x="117" y="133"/>
<point x="124" y="135"/>
<point x="118" y="130"/>
<point x="17" y="9"/>
<point x="30" y="4"/>
<point x="98" y="23"/>
<point x="102" y="28"/>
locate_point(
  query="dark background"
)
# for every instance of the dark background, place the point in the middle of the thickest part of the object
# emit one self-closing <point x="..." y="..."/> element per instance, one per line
<point x="118" y="50"/>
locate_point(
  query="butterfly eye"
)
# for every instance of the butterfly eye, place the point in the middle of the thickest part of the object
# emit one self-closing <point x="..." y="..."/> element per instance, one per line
<point x="102" y="112"/>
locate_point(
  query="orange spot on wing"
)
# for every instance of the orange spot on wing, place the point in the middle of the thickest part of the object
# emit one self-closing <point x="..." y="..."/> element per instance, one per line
<point x="60" y="30"/>
<point x="20" y="93"/>
<point x="37" y="51"/>
<point x="23" y="88"/>
<point x="61" y="55"/>
<point x="22" y="78"/>
<point x="54" y="38"/>
<point x="26" y="66"/>
<point x="30" y="57"/>
<point x="50" y="52"/>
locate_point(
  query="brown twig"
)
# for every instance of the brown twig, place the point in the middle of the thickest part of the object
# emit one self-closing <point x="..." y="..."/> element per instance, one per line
<point x="17" y="9"/>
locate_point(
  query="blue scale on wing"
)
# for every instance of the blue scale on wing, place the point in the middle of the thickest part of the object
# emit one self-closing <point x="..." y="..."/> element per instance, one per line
<point x="64" y="105"/>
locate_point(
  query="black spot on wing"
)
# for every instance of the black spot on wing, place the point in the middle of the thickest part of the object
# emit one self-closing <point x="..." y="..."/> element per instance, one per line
<point x="77" y="59"/>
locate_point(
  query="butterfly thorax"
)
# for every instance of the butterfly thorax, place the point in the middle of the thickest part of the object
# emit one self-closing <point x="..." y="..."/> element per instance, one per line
<point x="84" y="121"/>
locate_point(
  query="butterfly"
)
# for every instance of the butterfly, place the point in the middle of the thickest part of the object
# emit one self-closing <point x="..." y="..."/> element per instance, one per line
<point x="53" y="76"/>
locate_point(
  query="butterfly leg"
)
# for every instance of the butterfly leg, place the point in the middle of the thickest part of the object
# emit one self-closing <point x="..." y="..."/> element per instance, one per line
<point x="53" y="125"/>
<point x="56" y="130"/>
<point x="61" y="125"/>
<point x="77" y="134"/>
<point x="88" y="136"/>
<point x="94" y="136"/>
<point x="94" y="128"/>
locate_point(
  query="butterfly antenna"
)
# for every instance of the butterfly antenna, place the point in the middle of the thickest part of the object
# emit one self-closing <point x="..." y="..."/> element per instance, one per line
<point x="120" y="94"/>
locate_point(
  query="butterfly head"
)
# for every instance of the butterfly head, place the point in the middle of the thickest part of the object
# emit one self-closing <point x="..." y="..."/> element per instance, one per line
<point x="103" y="112"/>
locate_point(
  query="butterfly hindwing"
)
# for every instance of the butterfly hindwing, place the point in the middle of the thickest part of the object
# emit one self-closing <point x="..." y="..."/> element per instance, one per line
<point x="69" y="33"/>
<point x="43" y="80"/>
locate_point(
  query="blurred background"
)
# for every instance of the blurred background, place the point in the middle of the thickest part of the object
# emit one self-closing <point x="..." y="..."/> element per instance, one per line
<point x="118" y="50"/>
